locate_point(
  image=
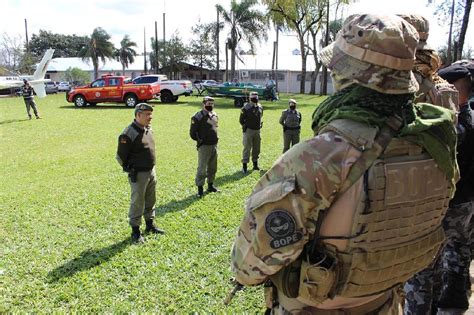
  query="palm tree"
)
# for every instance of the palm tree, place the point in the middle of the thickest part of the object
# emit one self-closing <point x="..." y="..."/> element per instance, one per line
<point x="126" y="54"/>
<point x="245" y="23"/>
<point x="98" y="47"/>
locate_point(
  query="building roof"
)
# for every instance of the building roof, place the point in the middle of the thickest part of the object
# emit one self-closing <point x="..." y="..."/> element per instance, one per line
<point x="287" y="62"/>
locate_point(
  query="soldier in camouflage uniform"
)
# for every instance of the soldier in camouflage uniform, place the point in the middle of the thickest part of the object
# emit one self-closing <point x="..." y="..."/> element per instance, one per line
<point x="291" y="121"/>
<point x="456" y="255"/>
<point x="251" y="121"/>
<point x="203" y="130"/>
<point x="422" y="290"/>
<point x="136" y="155"/>
<point x="333" y="224"/>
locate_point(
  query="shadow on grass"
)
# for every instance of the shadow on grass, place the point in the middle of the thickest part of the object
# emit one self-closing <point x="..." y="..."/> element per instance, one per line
<point x="13" y="121"/>
<point x="87" y="260"/>
<point x="178" y="205"/>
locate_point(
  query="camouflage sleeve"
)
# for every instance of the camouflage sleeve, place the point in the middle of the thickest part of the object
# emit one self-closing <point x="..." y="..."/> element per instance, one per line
<point x="282" y="210"/>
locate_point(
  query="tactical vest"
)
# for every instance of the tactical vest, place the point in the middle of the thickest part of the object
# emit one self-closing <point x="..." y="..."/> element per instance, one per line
<point x="396" y="229"/>
<point x="292" y="120"/>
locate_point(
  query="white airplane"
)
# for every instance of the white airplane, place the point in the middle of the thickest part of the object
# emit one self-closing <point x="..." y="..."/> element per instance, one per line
<point x="36" y="81"/>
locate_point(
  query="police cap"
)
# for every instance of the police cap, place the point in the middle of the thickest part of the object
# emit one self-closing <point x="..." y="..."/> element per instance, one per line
<point x="454" y="72"/>
<point x="253" y="95"/>
<point x="207" y="99"/>
<point x="292" y="101"/>
<point x="142" y="107"/>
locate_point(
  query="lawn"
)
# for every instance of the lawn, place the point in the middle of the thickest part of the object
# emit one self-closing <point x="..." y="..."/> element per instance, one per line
<point x="64" y="202"/>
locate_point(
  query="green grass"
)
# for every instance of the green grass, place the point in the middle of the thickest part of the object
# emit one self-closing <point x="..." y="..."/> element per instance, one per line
<point x="64" y="202"/>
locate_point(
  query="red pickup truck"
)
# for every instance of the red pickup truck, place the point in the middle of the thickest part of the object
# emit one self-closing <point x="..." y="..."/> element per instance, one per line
<point x="110" y="88"/>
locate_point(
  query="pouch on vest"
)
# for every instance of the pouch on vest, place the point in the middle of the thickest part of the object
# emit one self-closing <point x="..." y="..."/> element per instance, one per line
<point x="317" y="278"/>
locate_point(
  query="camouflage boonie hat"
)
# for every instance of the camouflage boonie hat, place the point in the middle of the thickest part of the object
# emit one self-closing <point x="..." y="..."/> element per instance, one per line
<point x="422" y="26"/>
<point x="142" y="107"/>
<point x="375" y="51"/>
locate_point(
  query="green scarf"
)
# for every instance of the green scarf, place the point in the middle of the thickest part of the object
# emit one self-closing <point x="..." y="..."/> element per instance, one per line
<point x="431" y="126"/>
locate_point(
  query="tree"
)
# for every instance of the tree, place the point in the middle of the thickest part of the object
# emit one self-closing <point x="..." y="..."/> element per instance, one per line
<point x="457" y="12"/>
<point x="76" y="76"/>
<point x="299" y="16"/>
<point x="176" y="54"/>
<point x="63" y="45"/>
<point x="202" y="49"/>
<point x="98" y="47"/>
<point x="126" y="54"/>
<point x="245" y="23"/>
<point x="11" y="52"/>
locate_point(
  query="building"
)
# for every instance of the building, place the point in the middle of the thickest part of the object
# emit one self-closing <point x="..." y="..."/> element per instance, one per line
<point x="254" y="69"/>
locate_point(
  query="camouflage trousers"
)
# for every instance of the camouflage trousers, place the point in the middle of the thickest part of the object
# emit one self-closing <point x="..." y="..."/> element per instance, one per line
<point x="423" y="290"/>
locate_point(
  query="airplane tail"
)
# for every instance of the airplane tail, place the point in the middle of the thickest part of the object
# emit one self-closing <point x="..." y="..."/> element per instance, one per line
<point x="40" y="74"/>
<point x="39" y="88"/>
<point x="43" y="65"/>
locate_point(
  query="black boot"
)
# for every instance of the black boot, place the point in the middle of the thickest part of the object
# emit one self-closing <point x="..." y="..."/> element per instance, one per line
<point x="151" y="228"/>
<point x="136" y="235"/>
<point x="211" y="188"/>
<point x="454" y="293"/>
<point x="200" y="191"/>
<point x="244" y="168"/>
<point x="255" y="166"/>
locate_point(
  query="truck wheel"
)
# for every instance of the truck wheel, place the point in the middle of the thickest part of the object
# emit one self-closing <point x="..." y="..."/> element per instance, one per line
<point x="130" y="100"/>
<point x="175" y="98"/>
<point x="166" y="96"/>
<point x="79" y="101"/>
<point x="239" y="102"/>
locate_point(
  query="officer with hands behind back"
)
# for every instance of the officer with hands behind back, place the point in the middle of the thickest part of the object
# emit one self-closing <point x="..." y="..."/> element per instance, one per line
<point x="291" y="121"/>
<point x="136" y="155"/>
<point x="251" y="121"/>
<point x="203" y="130"/>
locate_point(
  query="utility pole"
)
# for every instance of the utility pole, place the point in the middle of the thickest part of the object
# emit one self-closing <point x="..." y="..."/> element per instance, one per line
<point x="157" y="63"/>
<point x="217" y="45"/>
<point x="226" y="60"/>
<point x="164" y="40"/>
<point x="26" y="35"/>
<point x="145" y="68"/>
<point x="276" y="58"/>
<point x="324" y="84"/>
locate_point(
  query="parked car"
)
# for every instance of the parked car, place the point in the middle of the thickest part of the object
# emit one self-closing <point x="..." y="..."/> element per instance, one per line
<point x="51" y="87"/>
<point x="170" y="89"/>
<point x="64" y="86"/>
<point x="110" y="88"/>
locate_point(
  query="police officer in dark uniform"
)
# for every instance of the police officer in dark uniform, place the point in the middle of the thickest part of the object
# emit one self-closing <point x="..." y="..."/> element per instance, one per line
<point x="204" y="131"/>
<point x="291" y="121"/>
<point x="27" y="92"/>
<point x="136" y="155"/>
<point x="251" y="121"/>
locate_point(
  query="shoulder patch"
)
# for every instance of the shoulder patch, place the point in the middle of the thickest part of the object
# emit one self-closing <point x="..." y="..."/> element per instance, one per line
<point x="281" y="226"/>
